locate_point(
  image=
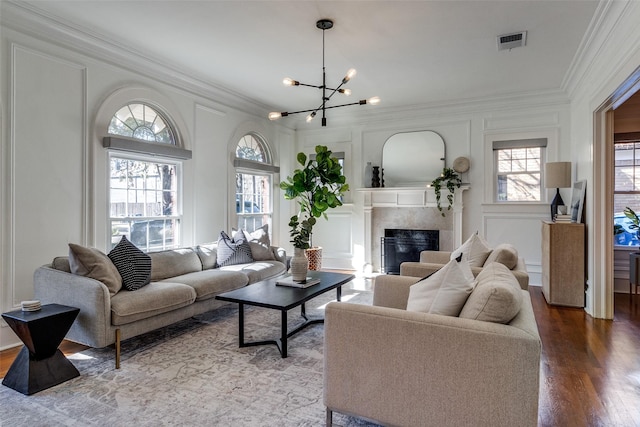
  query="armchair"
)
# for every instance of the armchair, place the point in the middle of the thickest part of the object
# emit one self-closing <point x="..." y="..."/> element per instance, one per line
<point x="402" y="368"/>
<point x="431" y="261"/>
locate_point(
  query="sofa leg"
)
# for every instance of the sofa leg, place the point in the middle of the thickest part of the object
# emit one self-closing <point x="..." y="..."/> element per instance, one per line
<point x="329" y="421"/>
<point x="118" y="348"/>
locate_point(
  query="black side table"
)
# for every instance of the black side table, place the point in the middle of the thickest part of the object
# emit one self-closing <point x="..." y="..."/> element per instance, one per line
<point x="40" y="364"/>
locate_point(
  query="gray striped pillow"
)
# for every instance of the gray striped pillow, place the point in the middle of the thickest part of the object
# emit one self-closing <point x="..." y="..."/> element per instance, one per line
<point x="233" y="251"/>
<point x="133" y="265"/>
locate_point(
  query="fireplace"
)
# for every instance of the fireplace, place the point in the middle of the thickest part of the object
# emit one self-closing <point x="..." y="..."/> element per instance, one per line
<point x="409" y="208"/>
<point x="401" y="245"/>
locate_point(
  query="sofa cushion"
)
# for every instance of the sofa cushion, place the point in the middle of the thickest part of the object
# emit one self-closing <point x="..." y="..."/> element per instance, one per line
<point x="208" y="254"/>
<point x="505" y="254"/>
<point x="91" y="262"/>
<point x="260" y="244"/>
<point x="234" y="250"/>
<point x="211" y="282"/>
<point x="133" y="265"/>
<point x="476" y="250"/>
<point x="258" y="270"/>
<point x="496" y="298"/>
<point x="173" y="262"/>
<point x="62" y="263"/>
<point x="153" y="299"/>
<point x="443" y="292"/>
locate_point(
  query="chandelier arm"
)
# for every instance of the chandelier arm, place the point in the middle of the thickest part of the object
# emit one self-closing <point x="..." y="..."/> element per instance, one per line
<point x="361" y="102"/>
<point x="304" y="111"/>
<point x="307" y="85"/>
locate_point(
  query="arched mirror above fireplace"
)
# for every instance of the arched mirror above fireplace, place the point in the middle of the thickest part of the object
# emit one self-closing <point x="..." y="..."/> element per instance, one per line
<point x="412" y="159"/>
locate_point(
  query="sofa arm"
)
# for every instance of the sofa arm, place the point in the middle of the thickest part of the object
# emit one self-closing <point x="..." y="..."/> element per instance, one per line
<point x="407" y="368"/>
<point x="392" y="291"/>
<point x="92" y="327"/>
<point x="419" y="269"/>
<point x="280" y="254"/>
<point x="435" y="257"/>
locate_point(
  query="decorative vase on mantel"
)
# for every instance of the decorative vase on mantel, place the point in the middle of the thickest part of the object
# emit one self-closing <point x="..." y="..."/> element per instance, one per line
<point x="299" y="265"/>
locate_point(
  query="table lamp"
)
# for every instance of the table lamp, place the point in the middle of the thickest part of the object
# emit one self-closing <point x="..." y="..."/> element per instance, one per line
<point x="557" y="175"/>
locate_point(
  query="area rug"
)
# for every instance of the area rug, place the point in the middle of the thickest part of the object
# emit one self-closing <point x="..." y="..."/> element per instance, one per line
<point x="193" y="374"/>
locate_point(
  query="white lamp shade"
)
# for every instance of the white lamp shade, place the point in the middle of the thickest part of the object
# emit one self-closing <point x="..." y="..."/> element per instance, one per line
<point x="557" y="175"/>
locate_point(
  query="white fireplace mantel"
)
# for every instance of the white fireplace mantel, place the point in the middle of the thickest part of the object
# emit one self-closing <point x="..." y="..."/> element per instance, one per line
<point x="409" y="197"/>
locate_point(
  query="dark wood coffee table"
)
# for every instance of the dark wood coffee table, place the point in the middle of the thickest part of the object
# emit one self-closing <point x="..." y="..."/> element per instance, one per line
<point x="267" y="294"/>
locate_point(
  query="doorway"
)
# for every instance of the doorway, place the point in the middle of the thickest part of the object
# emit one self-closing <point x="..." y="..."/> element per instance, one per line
<point x="603" y="190"/>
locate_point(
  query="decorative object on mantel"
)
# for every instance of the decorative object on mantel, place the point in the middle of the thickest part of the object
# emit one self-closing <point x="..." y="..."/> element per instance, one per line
<point x="368" y="174"/>
<point x="557" y="175"/>
<point x="318" y="186"/>
<point x="375" y="178"/>
<point x="324" y="24"/>
<point x="452" y="180"/>
<point x="461" y="164"/>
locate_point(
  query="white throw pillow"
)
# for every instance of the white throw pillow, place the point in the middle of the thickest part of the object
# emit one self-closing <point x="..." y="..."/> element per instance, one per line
<point x="445" y="291"/>
<point x="475" y="249"/>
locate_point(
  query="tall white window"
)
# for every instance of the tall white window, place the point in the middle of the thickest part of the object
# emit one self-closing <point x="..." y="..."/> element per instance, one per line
<point x="518" y="170"/>
<point x="254" y="177"/>
<point x="144" y="191"/>
<point x="627" y="186"/>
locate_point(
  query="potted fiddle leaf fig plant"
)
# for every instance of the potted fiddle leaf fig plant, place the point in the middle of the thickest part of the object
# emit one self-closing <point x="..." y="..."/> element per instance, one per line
<point x="318" y="186"/>
<point x="451" y="181"/>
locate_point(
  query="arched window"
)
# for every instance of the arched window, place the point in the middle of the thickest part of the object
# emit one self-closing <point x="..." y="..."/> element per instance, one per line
<point x="145" y="180"/>
<point x="141" y="121"/>
<point x="254" y="175"/>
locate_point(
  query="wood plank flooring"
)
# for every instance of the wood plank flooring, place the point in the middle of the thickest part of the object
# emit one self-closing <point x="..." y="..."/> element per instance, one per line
<point x="589" y="371"/>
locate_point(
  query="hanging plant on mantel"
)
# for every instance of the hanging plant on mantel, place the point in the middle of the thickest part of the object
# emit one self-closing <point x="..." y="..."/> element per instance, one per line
<point x="451" y="181"/>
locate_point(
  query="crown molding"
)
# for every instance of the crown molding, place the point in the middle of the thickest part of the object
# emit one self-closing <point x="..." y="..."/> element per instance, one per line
<point x="461" y="107"/>
<point x="27" y="19"/>
<point x="596" y="43"/>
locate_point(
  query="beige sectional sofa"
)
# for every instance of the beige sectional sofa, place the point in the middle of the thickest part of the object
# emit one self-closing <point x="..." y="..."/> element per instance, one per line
<point x="184" y="283"/>
<point x="407" y="368"/>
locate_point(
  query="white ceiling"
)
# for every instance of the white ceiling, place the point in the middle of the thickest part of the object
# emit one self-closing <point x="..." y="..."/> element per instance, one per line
<point x="407" y="52"/>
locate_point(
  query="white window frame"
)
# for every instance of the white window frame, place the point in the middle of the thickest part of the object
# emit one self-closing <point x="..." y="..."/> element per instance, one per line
<point x="257" y="168"/>
<point x="178" y="216"/>
<point x="498" y="145"/>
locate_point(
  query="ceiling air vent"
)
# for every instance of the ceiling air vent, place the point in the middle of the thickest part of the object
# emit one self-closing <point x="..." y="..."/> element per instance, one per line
<point x="509" y="41"/>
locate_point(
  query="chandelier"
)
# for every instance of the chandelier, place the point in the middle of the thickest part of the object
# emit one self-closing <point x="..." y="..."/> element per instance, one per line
<point x="327" y="92"/>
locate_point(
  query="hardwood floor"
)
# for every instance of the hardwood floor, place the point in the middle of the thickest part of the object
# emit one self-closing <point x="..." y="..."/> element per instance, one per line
<point x="589" y="371"/>
<point x="590" y="368"/>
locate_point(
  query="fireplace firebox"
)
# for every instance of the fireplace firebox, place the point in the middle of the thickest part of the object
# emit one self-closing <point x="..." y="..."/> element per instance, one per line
<point x="401" y="245"/>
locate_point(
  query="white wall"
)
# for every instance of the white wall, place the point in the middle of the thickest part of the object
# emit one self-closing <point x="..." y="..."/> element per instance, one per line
<point x="610" y="55"/>
<point x="54" y="168"/>
<point x="467" y="131"/>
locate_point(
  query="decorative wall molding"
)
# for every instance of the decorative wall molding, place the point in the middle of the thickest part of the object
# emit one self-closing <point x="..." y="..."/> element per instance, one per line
<point x="30" y="20"/>
<point x="515" y="121"/>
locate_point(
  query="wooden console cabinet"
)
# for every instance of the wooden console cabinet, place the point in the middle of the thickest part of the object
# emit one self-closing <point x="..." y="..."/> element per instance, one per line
<point x="563" y="254"/>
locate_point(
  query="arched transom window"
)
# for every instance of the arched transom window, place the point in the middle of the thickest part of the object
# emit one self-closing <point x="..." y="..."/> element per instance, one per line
<point x="140" y="121"/>
<point x="251" y="148"/>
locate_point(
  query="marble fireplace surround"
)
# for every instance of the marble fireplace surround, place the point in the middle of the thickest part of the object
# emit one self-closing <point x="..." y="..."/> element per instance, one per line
<point x="409" y="208"/>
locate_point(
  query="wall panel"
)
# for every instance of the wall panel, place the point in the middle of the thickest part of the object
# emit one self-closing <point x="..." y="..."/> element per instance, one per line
<point x="48" y="195"/>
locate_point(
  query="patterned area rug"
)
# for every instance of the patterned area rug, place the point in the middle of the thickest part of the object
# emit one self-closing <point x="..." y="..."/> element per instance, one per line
<point x="193" y="373"/>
